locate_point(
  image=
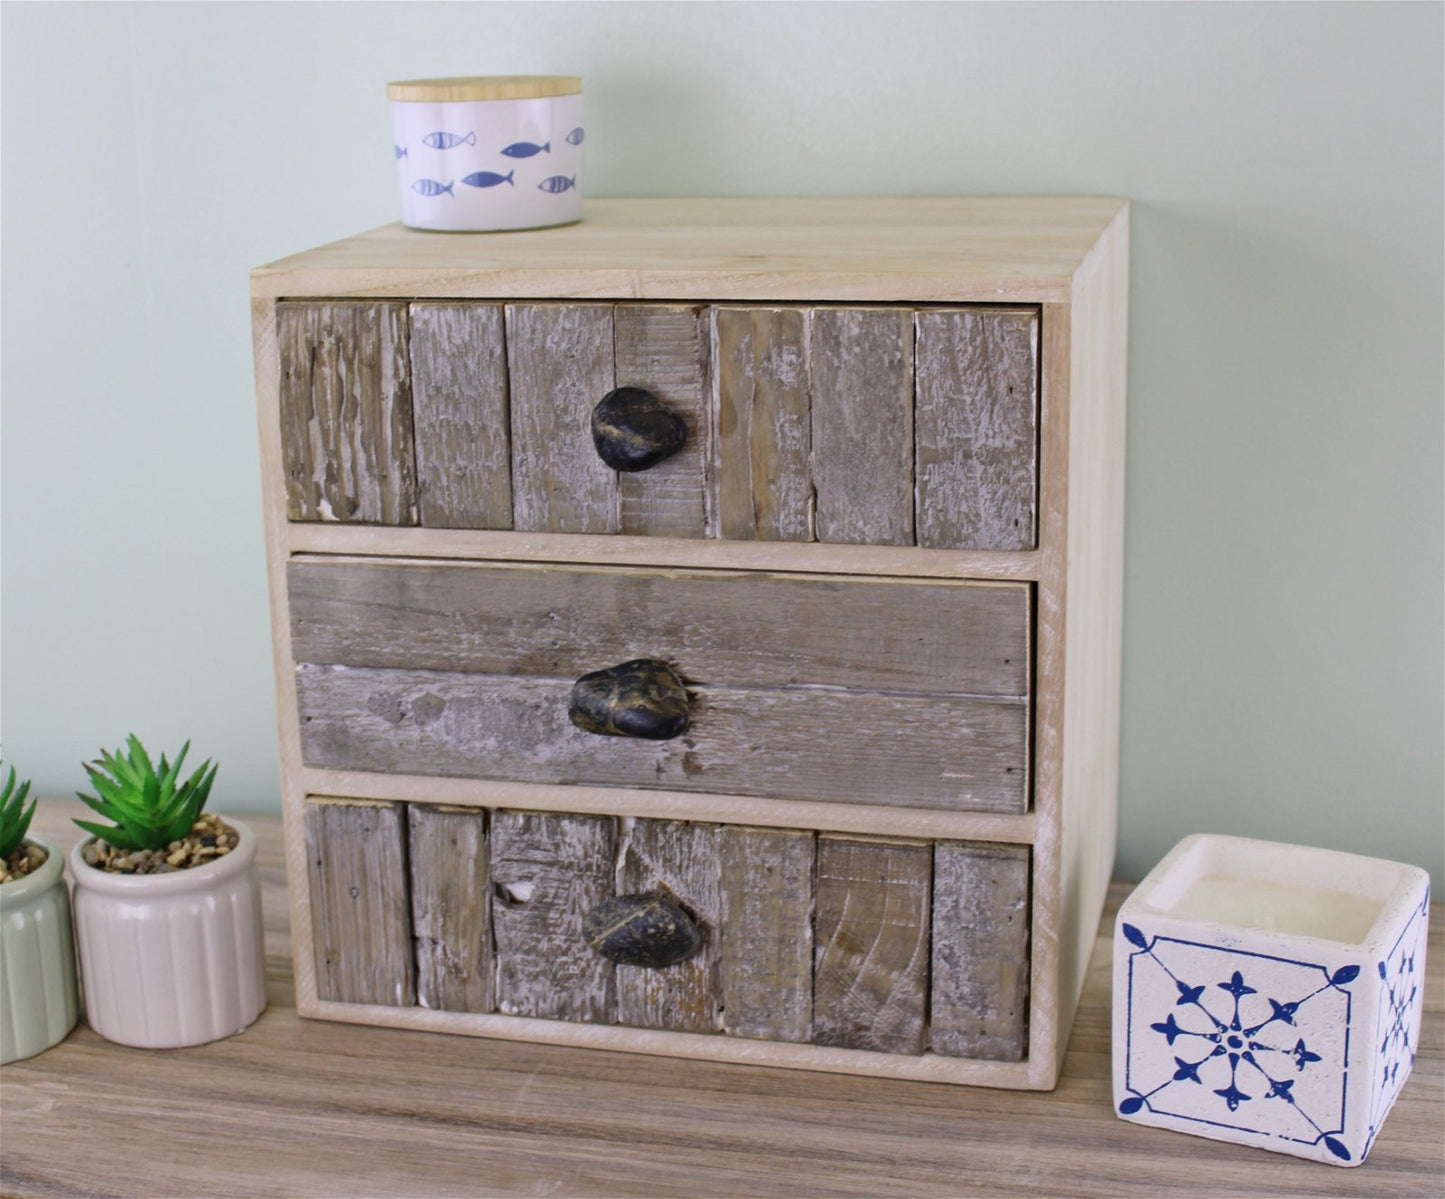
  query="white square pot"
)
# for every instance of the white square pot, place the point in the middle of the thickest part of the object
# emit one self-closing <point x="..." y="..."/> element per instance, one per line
<point x="1269" y="995"/>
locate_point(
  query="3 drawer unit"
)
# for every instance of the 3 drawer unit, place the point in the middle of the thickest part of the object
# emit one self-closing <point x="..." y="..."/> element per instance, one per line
<point x="697" y="630"/>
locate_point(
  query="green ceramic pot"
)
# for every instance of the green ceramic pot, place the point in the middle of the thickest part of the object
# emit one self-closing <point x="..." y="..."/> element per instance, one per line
<point x="38" y="1000"/>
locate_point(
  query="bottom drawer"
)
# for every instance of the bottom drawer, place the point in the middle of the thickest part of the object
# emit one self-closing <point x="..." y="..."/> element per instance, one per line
<point x="900" y="947"/>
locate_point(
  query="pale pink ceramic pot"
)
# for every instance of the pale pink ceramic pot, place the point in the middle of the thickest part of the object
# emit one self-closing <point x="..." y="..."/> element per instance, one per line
<point x="168" y="960"/>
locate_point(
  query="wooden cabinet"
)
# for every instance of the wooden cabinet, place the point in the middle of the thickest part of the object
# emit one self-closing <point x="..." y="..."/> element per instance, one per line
<point x="883" y="567"/>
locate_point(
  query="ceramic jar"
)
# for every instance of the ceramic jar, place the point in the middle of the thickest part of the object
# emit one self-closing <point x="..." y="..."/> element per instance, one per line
<point x="1269" y="995"/>
<point x="38" y="1002"/>
<point x="171" y="959"/>
<point x="486" y="153"/>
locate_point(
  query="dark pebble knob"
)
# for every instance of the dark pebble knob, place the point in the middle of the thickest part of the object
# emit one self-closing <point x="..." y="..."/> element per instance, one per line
<point x="633" y="430"/>
<point x="642" y="698"/>
<point x="642" y="930"/>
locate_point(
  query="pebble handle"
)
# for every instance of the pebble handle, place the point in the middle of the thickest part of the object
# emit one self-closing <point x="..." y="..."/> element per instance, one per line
<point x="642" y="698"/>
<point x="633" y="430"/>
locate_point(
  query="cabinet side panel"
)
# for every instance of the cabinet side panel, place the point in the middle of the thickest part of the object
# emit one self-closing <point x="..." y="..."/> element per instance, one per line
<point x="450" y="908"/>
<point x="662" y="349"/>
<point x="861" y="364"/>
<point x="1098" y="345"/>
<point x="560" y="364"/>
<point x="681" y="860"/>
<point x="761" y="425"/>
<point x="870" y="978"/>
<point x="767" y="952"/>
<point x="980" y="972"/>
<point x="462" y="413"/>
<point x="346" y="416"/>
<point x="976" y="428"/>
<point x="548" y="871"/>
<point x="361" y="920"/>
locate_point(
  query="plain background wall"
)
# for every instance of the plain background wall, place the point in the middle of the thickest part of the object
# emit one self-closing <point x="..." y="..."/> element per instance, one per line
<point x="1283" y="619"/>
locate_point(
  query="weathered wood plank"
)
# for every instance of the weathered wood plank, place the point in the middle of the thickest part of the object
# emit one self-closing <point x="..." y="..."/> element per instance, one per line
<point x="346" y="420"/>
<point x="951" y="753"/>
<point x="548" y="871"/>
<point x="663" y="348"/>
<point x="560" y="364"/>
<point x="729" y="629"/>
<point x="767" y="946"/>
<point x="462" y="416"/>
<point x="760" y="424"/>
<point x="361" y="922"/>
<point x="870" y="979"/>
<point x="681" y="860"/>
<point x="450" y="908"/>
<point x="976" y="428"/>
<point x="980" y="972"/>
<point x="860" y="361"/>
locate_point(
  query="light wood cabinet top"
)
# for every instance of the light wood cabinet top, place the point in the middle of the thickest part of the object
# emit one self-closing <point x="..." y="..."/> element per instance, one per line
<point x="920" y="250"/>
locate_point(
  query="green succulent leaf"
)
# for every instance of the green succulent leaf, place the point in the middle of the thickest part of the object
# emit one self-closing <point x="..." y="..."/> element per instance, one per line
<point x="14" y="816"/>
<point x="147" y="807"/>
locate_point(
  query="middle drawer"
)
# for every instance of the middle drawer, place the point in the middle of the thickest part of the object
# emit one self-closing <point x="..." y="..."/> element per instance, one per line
<point x="889" y="691"/>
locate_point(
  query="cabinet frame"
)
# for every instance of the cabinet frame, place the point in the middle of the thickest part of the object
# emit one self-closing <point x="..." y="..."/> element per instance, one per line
<point x="1070" y="257"/>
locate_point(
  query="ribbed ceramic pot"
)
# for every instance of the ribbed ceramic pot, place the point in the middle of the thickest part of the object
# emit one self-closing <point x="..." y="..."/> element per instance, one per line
<point x="171" y="959"/>
<point x="37" y="959"/>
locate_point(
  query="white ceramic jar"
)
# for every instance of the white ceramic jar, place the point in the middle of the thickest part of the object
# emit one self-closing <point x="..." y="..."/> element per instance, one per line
<point x="486" y="153"/>
<point x="171" y="959"/>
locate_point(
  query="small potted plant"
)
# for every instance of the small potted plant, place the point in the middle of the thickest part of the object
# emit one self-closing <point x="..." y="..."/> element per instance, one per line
<point x="167" y="907"/>
<point x="37" y="955"/>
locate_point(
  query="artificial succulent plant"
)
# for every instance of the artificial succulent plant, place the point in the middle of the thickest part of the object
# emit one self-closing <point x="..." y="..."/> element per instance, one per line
<point x="149" y="805"/>
<point x="14" y="815"/>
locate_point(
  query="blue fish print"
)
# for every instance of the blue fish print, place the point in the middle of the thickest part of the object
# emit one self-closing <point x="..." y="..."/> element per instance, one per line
<point x="445" y="141"/>
<point x="527" y="149"/>
<point x="400" y="150"/>
<point x="430" y="187"/>
<point x="575" y="137"/>
<point x="488" y="179"/>
<point x="557" y="184"/>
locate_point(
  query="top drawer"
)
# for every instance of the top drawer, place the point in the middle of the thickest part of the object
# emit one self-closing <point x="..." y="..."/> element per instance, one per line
<point x="879" y="425"/>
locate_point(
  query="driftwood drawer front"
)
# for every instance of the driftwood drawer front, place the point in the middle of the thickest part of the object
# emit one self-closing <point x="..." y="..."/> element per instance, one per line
<point x="884" y="945"/>
<point x="887" y="426"/>
<point x="881" y="692"/>
<point x="697" y="629"/>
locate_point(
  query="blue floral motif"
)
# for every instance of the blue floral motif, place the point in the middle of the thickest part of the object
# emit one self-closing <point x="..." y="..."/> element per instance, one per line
<point x="1399" y="976"/>
<point x="1226" y="1041"/>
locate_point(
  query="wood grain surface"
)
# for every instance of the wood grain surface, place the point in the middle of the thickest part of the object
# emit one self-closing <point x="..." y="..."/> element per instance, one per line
<point x="337" y="1110"/>
<point x="976" y="428"/>
<point x="979" y="979"/>
<point x="767" y="952"/>
<point x="560" y="364"/>
<point x="346" y="412"/>
<point x="860" y="363"/>
<point x="548" y="871"/>
<point x="959" y="753"/>
<point x="462" y="416"/>
<point x="720" y="628"/>
<point x="870" y="977"/>
<point x="764" y="490"/>
<point x="361" y="920"/>
<point x="451" y="907"/>
<point x="681" y="860"/>
<point x="663" y="348"/>
<point x="990" y="250"/>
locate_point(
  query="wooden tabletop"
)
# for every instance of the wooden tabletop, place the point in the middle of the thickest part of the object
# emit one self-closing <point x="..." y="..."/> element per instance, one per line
<point x="304" y="1108"/>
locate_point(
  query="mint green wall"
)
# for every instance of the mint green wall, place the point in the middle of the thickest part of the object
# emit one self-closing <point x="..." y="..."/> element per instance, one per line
<point x="1283" y="621"/>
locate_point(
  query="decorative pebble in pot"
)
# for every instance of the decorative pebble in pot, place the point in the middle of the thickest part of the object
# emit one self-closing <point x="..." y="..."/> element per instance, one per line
<point x="38" y="1001"/>
<point x="167" y="907"/>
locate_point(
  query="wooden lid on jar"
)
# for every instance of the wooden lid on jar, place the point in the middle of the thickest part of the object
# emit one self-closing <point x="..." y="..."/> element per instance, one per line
<point x="484" y="87"/>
